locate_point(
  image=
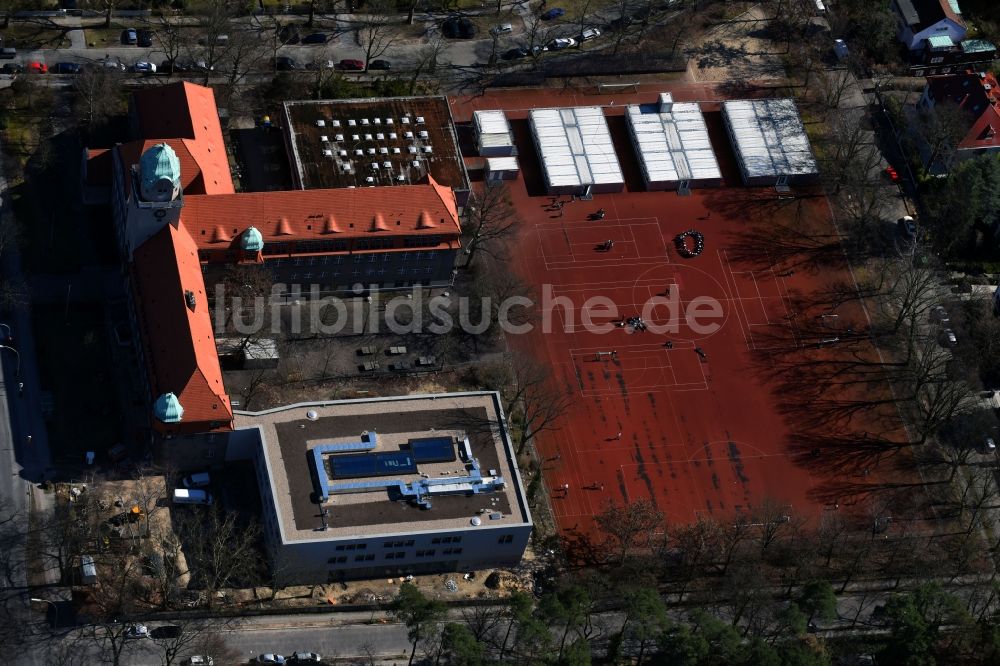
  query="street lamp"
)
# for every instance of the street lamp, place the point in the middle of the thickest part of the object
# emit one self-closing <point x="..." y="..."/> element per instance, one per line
<point x="17" y="371"/>
<point x="55" y="609"/>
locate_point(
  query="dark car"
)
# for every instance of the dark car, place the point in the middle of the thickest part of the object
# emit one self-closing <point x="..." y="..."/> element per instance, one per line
<point x="285" y="64"/>
<point x="12" y="68"/>
<point x="129" y="36"/>
<point x="289" y="34"/>
<point x="315" y="38"/>
<point x="66" y="68"/>
<point x="171" y="66"/>
<point x="621" y="23"/>
<point x="458" y="27"/>
<point x="553" y="14"/>
<point x="515" y="54"/>
<point x="166" y="631"/>
<point x="145" y="38"/>
<point x="379" y="64"/>
<point x="351" y="64"/>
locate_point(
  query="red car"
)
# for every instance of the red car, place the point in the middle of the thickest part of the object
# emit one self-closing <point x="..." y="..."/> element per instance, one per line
<point x="893" y="176"/>
<point x="352" y="65"/>
<point x="38" y="67"/>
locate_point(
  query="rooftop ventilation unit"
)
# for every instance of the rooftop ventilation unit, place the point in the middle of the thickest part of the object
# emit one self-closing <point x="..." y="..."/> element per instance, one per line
<point x="369" y="179"/>
<point x="324" y="138"/>
<point x="375" y="165"/>
<point x="384" y="151"/>
<point x="377" y="121"/>
<point x="428" y="149"/>
<point x="405" y="120"/>
<point x="413" y="150"/>
<point x="343" y="153"/>
<point x="328" y="152"/>
<point x="423" y="134"/>
<point x="395" y="151"/>
<point x="189" y="298"/>
<point x="380" y="136"/>
<point x="320" y="123"/>
<point x="371" y="151"/>
<point x="338" y="137"/>
<point x="352" y="123"/>
<point x="388" y="121"/>
<point x="359" y="152"/>
<point x="355" y="137"/>
<point x="387" y="165"/>
<point x="401" y="178"/>
<point x="392" y="135"/>
<point x="368" y="137"/>
<point x="335" y="123"/>
<point x="346" y="166"/>
<point x="416" y="164"/>
<point x="408" y="135"/>
<point x="364" y="121"/>
<point x="420" y="120"/>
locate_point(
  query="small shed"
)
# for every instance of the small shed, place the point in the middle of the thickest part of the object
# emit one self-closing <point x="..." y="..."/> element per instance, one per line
<point x="501" y="168"/>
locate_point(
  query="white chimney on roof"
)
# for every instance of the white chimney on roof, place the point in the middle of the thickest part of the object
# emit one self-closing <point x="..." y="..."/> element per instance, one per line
<point x="666" y="103"/>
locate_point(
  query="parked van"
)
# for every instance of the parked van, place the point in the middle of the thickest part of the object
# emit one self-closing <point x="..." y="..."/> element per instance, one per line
<point x="199" y="480"/>
<point x="192" y="496"/>
<point x="8" y="53"/>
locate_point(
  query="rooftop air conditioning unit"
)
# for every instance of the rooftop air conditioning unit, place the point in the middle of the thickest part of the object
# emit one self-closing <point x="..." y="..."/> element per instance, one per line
<point x="324" y="138"/>
<point x="338" y="137"/>
<point x="380" y="136"/>
<point x="328" y="152"/>
<point x="401" y="178"/>
<point x="413" y="150"/>
<point x="375" y="165"/>
<point x="355" y="137"/>
<point x="377" y="121"/>
<point x="423" y="134"/>
<point x="395" y="151"/>
<point x="387" y="165"/>
<point x="384" y="151"/>
<point x="368" y="137"/>
<point x="369" y="179"/>
<point x="347" y="166"/>
<point x="320" y="123"/>
<point x="405" y="120"/>
<point x="416" y="164"/>
<point x="428" y="149"/>
<point x="371" y="151"/>
<point x="335" y="123"/>
<point x="420" y="120"/>
<point x="352" y="123"/>
<point x="392" y="135"/>
<point x="343" y="153"/>
<point x="364" y="121"/>
<point x="359" y="152"/>
<point x="388" y="121"/>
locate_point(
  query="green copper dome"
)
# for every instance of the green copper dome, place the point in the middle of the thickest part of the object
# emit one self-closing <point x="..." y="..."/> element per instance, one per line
<point x="251" y="240"/>
<point x="160" y="173"/>
<point x="168" y="409"/>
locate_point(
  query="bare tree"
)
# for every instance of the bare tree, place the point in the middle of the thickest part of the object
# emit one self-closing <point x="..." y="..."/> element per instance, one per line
<point x="244" y="51"/>
<point x="220" y="550"/>
<point x="940" y="128"/>
<point x="198" y="637"/>
<point x="628" y="525"/>
<point x="491" y="220"/>
<point x="172" y="38"/>
<point x="427" y="60"/>
<point x="376" y="34"/>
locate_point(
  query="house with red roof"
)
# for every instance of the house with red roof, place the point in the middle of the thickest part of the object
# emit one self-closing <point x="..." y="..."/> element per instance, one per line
<point x="977" y="94"/>
<point x="180" y="222"/>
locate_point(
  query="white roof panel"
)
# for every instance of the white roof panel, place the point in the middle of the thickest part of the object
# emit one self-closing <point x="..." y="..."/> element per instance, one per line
<point x="769" y="137"/>
<point x="575" y="146"/>
<point x="492" y="128"/>
<point x="672" y="145"/>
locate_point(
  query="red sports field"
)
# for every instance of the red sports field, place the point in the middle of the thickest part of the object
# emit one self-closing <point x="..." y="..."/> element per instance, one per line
<point x="701" y="434"/>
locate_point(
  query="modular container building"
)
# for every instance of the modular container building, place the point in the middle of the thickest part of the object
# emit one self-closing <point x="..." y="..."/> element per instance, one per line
<point x="770" y="141"/>
<point x="576" y="151"/>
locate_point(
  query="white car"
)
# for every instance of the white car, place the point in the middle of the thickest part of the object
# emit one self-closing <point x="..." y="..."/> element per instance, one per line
<point x="144" y="67"/>
<point x="136" y="631"/>
<point x="198" y="660"/>
<point x="562" y="43"/>
<point x="270" y="658"/>
<point x="589" y="34"/>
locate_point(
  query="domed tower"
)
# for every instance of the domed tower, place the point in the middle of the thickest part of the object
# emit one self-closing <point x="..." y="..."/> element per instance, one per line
<point x="156" y="198"/>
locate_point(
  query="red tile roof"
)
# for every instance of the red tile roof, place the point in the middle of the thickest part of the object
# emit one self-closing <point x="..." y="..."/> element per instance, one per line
<point x="178" y="340"/>
<point x="364" y="212"/>
<point x="977" y="94"/>
<point x="188" y="112"/>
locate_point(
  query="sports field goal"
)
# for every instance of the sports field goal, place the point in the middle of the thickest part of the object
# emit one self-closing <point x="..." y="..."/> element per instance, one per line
<point x="612" y="87"/>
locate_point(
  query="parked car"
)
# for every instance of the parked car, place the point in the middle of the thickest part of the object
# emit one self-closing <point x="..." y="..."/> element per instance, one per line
<point x="907" y="226"/>
<point x="380" y="64"/>
<point x="948" y="338"/>
<point x="621" y="23"/>
<point x="321" y="64"/>
<point x="199" y="660"/>
<point x="66" y="68"/>
<point x="285" y="64"/>
<point x="38" y="67"/>
<point x="200" y="65"/>
<point x="136" y="631"/>
<point x="561" y="43"/>
<point x="537" y="49"/>
<point x="515" y="54"/>
<point x="270" y="658"/>
<point x="193" y="496"/>
<point x="316" y="38"/>
<point x="306" y="658"/>
<point x="502" y="29"/>
<point x="289" y="34"/>
<point x="458" y="27"/>
<point x="171" y="66"/>
<point x="197" y="480"/>
<point x="129" y="36"/>
<point x="12" y="68"/>
<point x="144" y="67"/>
<point x="8" y="53"/>
<point x="166" y="631"/>
<point x="553" y="14"/>
<point x="589" y="34"/>
<point x="351" y="64"/>
<point x="110" y="63"/>
<point x="145" y="38"/>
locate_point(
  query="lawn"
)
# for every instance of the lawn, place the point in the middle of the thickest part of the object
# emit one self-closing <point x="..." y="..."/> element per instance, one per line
<point x="26" y="36"/>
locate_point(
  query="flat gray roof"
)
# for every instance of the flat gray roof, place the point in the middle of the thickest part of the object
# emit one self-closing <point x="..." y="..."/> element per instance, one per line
<point x="288" y="434"/>
<point x="769" y="137"/>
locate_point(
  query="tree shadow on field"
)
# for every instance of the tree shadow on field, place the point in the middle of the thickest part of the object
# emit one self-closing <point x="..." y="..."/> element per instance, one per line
<point x="582" y="550"/>
<point x="716" y="53"/>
